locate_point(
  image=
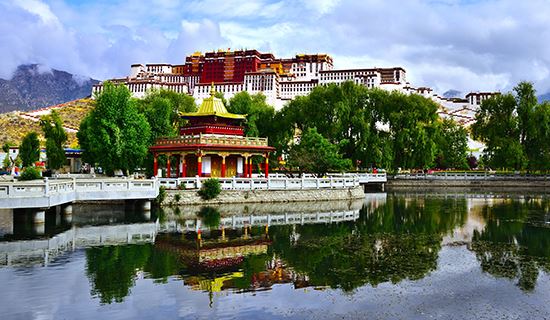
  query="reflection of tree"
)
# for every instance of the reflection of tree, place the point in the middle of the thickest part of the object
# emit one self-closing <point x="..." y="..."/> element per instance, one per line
<point x="112" y="270"/>
<point x="399" y="240"/>
<point x="514" y="244"/>
<point x="396" y="241"/>
<point x="210" y="217"/>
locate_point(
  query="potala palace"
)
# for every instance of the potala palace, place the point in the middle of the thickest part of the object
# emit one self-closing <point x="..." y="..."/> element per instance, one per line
<point x="279" y="79"/>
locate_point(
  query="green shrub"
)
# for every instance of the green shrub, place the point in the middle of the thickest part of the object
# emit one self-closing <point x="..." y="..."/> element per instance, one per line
<point x="162" y="195"/>
<point x="177" y="197"/>
<point x="210" y="189"/>
<point x="30" y="173"/>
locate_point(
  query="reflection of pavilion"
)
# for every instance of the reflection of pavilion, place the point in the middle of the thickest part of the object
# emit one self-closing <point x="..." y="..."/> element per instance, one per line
<point x="276" y="273"/>
<point x="212" y="254"/>
<point x="214" y="260"/>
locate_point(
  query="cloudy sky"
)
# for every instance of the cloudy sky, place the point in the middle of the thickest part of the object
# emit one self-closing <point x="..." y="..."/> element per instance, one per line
<point x="446" y="44"/>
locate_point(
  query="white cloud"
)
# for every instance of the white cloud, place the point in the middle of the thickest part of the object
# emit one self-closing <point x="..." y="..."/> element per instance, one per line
<point x="40" y="9"/>
<point x="451" y="44"/>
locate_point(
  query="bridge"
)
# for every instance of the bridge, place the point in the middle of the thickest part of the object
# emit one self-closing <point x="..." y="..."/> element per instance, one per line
<point x="49" y="193"/>
<point x="280" y="182"/>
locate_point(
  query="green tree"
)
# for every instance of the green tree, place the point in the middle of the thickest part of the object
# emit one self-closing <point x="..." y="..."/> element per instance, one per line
<point x="115" y="135"/>
<point x="7" y="160"/>
<point x="52" y="126"/>
<point x="497" y="125"/>
<point x="452" y="145"/>
<point x="260" y="115"/>
<point x="29" y="150"/>
<point x="537" y="144"/>
<point x="526" y="100"/>
<point x="414" y="129"/>
<point x="6" y="147"/>
<point x="370" y="126"/>
<point x="316" y="154"/>
<point x="6" y="163"/>
<point x="175" y="102"/>
<point x="158" y="112"/>
<point x="162" y="110"/>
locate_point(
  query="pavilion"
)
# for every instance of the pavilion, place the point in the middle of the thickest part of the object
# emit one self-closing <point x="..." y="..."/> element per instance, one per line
<point x="212" y="144"/>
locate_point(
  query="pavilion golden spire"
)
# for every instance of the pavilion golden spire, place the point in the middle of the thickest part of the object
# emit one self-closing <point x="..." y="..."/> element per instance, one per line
<point x="213" y="106"/>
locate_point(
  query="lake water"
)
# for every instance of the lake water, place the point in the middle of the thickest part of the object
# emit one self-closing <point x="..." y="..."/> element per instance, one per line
<point x="391" y="256"/>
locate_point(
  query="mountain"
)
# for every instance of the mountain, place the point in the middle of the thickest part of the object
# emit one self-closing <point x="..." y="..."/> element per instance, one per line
<point x="544" y="97"/>
<point x="33" y="86"/>
<point x="453" y="94"/>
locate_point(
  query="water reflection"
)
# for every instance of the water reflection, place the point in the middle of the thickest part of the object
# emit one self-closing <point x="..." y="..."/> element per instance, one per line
<point x="515" y="242"/>
<point x="248" y="248"/>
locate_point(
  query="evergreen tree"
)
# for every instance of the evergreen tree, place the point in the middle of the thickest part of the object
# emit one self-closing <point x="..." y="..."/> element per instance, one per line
<point x="52" y="126"/>
<point x="29" y="150"/>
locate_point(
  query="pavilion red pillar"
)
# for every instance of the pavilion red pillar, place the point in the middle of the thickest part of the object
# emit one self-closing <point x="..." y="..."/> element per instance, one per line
<point x="199" y="165"/>
<point x="250" y="167"/>
<point x="168" y="166"/>
<point x="267" y="165"/>
<point x="155" y="164"/>
<point x="245" y="171"/>
<point x="183" y="166"/>
<point x="223" y="166"/>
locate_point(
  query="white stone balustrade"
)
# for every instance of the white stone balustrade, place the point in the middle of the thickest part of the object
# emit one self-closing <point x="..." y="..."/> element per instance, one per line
<point x="278" y="182"/>
<point x="49" y="193"/>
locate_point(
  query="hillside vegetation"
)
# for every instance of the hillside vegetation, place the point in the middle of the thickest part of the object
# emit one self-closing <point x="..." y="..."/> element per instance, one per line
<point x="15" y="125"/>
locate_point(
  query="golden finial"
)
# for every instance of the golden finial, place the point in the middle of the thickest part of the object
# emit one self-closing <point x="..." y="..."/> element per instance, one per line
<point x="212" y="91"/>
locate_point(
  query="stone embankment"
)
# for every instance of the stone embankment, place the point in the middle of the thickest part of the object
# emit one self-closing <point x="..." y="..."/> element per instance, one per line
<point x="500" y="185"/>
<point x="265" y="196"/>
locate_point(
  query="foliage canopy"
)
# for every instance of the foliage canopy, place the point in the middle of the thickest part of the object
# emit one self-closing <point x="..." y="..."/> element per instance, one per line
<point x="52" y="126"/>
<point x="29" y="150"/>
<point x="115" y="135"/>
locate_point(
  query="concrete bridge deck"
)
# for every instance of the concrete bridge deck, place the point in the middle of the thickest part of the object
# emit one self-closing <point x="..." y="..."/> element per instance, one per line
<point x="48" y="193"/>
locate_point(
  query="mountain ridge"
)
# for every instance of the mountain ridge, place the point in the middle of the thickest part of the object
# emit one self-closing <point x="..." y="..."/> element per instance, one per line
<point x="34" y="86"/>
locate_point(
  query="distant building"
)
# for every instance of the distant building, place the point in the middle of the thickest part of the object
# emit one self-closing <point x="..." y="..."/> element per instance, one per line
<point x="279" y="79"/>
<point x="232" y="72"/>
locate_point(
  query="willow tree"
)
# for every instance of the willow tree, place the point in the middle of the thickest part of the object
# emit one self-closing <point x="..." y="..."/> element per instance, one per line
<point x="52" y="126"/>
<point x="315" y="154"/>
<point x="115" y="135"/>
<point x="497" y="125"/>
